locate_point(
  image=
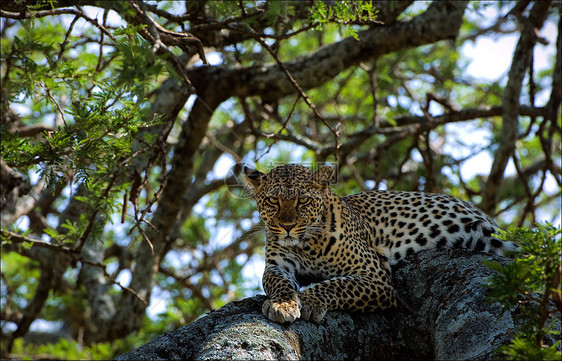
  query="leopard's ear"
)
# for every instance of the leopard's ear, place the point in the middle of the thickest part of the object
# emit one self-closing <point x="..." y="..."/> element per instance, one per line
<point x="254" y="177"/>
<point x="322" y="177"/>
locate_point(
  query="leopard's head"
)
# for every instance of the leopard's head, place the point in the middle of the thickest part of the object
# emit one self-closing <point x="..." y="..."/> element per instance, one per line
<point x="290" y="200"/>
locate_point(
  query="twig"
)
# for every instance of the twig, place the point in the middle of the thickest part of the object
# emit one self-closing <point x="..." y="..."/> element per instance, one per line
<point x="65" y="42"/>
<point x="100" y="54"/>
<point x="159" y="48"/>
<point x="284" y="126"/>
<point x="223" y="147"/>
<point x="371" y="72"/>
<point x="242" y="9"/>
<point x="112" y="280"/>
<point x="160" y="150"/>
<point x="301" y="93"/>
<point x="270" y="36"/>
<point x="162" y="37"/>
<point x="43" y="13"/>
<point x="525" y="182"/>
<point x="59" y="109"/>
<point x="93" y="216"/>
<point x="151" y="27"/>
<point x="146" y="239"/>
<point x="18" y="238"/>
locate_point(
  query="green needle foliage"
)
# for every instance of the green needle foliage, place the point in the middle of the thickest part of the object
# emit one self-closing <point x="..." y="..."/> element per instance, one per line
<point x="530" y="281"/>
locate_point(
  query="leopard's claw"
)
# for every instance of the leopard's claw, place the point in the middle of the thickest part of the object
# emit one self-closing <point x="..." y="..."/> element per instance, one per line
<point x="281" y="312"/>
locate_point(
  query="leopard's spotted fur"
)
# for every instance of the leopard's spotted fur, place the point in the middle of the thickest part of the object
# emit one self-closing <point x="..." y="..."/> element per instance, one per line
<point x="345" y="244"/>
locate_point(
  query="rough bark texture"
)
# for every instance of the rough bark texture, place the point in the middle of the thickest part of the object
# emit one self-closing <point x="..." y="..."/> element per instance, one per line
<point x="450" y="321"/>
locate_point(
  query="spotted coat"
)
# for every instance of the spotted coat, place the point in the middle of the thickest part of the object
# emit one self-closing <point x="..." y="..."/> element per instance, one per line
<point x="344" y="246"/>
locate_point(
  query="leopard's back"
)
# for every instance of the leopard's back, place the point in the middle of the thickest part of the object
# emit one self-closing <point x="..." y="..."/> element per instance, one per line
<point x="406" y="222"/>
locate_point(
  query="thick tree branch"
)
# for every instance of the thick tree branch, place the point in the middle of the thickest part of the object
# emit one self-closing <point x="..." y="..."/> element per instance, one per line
<point x="12" y="185"/>
<point x="97" y="288"/>
<point x="31" y="312"/>
<point x="453" y="116"/>
<point x="446" y="324"/>
<point x="147" y="259"/>
<point x="556" y="92"/>
<point x="510" y="103"/>
<point x="441" y="21"/>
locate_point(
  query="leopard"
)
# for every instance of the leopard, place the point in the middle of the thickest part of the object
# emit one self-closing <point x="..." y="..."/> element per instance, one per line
<point x="324" y="252"/>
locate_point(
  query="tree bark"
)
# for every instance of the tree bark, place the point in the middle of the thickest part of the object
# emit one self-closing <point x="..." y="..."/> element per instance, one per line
<point x="441" y="21"/>
<point x="450" y="321"/>
<point x="511" y="100"/>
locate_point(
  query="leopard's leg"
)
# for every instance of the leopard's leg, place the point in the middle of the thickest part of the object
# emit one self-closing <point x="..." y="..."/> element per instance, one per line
<point x="353" y="293"/>
<point x="281" y="287"/>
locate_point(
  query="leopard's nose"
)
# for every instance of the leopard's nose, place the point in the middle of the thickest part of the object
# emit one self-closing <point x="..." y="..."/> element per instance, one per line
<point x="287" y="226"/>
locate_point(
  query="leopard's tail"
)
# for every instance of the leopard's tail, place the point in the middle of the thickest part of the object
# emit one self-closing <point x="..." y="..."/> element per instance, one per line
<point x="502" y="248"/>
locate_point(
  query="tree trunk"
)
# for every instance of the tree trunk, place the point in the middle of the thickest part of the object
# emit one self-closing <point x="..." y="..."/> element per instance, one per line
<point x="450" y="320"/>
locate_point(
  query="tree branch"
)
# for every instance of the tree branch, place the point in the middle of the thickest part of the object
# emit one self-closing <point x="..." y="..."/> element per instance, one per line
<point x="444" y="311"/>
<point x="510" y="103"/>
<point x="31" y="312"/>
<point x="399" y="124"/>
<point x="18" y="238"/>
<point x="147" y="260"/>
<point x="323" y="65"/>
<point x="14" y="185"/>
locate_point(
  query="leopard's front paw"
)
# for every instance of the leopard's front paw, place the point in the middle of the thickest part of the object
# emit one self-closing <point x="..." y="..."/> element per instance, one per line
<point x="281" y="312"/>
<point x="311" y="309"/>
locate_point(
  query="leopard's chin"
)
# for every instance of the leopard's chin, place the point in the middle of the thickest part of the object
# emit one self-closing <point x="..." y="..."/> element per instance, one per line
<point x="292" y="241"/>
<point x="288" y="241"/>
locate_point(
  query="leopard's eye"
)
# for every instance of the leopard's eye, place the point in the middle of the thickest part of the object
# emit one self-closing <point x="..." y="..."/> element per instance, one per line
<point x="303" y="201"/>
<point x="273" y="201"/>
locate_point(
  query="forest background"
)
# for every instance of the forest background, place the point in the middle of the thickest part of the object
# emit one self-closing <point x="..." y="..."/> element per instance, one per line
<point x="125" y="125"/>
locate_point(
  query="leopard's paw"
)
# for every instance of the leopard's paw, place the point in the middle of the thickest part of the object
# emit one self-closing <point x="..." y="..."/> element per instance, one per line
<point x="281" y="312"/>
<point x="312" y="311"/>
